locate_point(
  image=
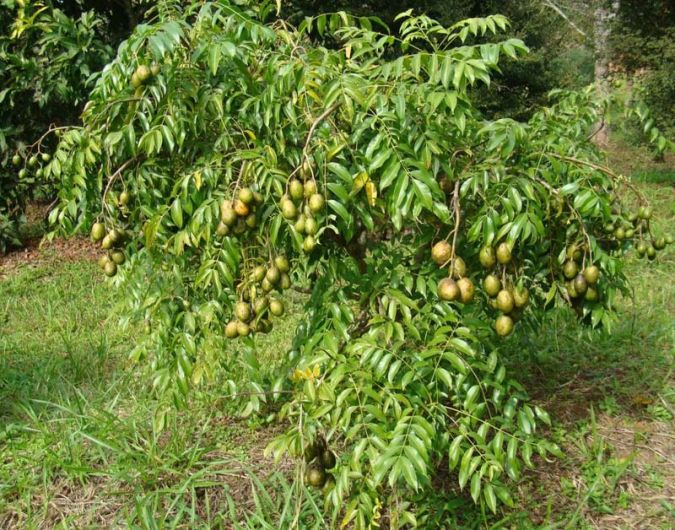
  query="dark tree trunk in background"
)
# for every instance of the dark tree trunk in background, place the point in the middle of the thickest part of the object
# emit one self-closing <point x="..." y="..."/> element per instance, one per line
<point x="604" y="13"/>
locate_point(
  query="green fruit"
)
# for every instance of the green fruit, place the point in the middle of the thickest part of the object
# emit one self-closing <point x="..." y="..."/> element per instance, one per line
<point x="273" y="275"/>
<point x="282" y="264"/>
<point x="632" y="217"/>
<point x="243" y="329"/>
<point x="107" y="243"/>
<point x="115" y="236"/>
<point x="641" y="248"/>
<point x="154" y="69"/>
<point x="124" y="198"/>
<point x="16" y="160"/>
<point x="242" y="311"/>
<point x="251" y="221"/>
<point x="629" y="233"/>
<point x="285" y="281"/>
<point x="609" y="228"/>
<point x="669" y="239"/>
<point x="258" y="273"/>
<point x="645" y="212"/>
<point x="580" y="284"/>
<point x="316" y="476"/>
<point x="466" y="290"/>
<point x="222" y="229"/>
<point x="492" y="285"/>
<point x="328" y="459"/>
<point x="308" y="244"/>
<point x="457" y="268"/>
<point x="32" y="161"/>
<point x="240" y="226"/>
<point x="316" y="202"/>
<point x="110" y="269"/>
<point x="296" y="189"/>
<point x="103" y="260"/>
<point x="260" y="305"/>
<point x="591" y="274"/>
<point x="521" y="296"/>
<point x="118" y="257"/>
<point x="620" y="233"/>
<point x="300" y="224"/>
<point x="505" y="301"/>
<point x="277" y="308"/>
<point x="651" y="252"/>
<point x="143" y="73"/>
<point x="232" y="329"/>
<point x="570" y="269"/>
<point x="23" y="173"/>
<point x="245" y="195"/>
<point x="571" y="291"/>
<point x="448" y="290"/>
<point x="309" y="188"/>
<point x="487" y="257"/>
<point x="288" y="209"/>
<point x="503" y="253"/>
<point x="266" y="285"/>
<point x="311" y="226"/>
<point x="504" y="325"/>
<point x="97" y="231"/>
<point x="591" y="294"/>
<point x="441" y="252"/>
<point x="659" y="243"/>
<point x="258" y="197"/>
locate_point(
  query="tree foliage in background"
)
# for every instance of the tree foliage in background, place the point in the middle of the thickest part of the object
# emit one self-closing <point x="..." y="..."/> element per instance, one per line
<point x="643" y="41"/>
<point x="222" y="160"/>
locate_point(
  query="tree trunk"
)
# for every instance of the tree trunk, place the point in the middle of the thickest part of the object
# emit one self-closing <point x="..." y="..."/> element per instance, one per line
<point x="604" y="13"/>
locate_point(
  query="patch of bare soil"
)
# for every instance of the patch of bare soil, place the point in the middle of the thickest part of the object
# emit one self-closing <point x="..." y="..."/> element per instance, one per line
<point x="37" y="252"/>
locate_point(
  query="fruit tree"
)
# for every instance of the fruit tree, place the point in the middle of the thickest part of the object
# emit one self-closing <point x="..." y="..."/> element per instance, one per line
<point x="223" y="160"/>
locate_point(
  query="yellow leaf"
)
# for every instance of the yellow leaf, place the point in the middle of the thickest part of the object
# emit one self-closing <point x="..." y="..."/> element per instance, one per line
<point x="317" y="370"/>
<point x="250" y="134"/>
<point x="371" y="192"/>
<point x="359" y="181"/>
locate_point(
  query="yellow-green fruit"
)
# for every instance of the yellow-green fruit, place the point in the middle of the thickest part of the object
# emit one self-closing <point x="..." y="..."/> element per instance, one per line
<point x="441" y="252"/>
<point x="258" y="197"/>
<point x="316" y="202"/>
<point x="651" y="252"/>
<point x="571" y="291"/>
<point x="328" y="459"/>
<point x="591" y="294"/>
<point x="570" y="269"/>
<point x="641" y="248"/>
<point x="110" y="269"/>
<point x="505" y="301"/>
<point x="659" y="243"/>
<point x="277" y="308"/>
<point x="288" y="209"/>
<point x="241" y="208"/>
<point x="311" y="226"/>
<point x="97" y="231"/>
<point x="503" y="253"/>
<point x="669" y="239"/>
<point x="448" y="290"/>
<point x="580" y="284"/>
<point x="135" y="81"/>
<point x="227" y="213"/>
<point x="107" y="242"/>
<point x="309" y="188"/>
<point x="308" y="244"/>
<point x="260" y="305"/>
<point x="620" y="233"/>
<point x="466" y="290"/>
<point x="503" y="325"/>
<point x="266" y="285"/>
<point x="118" y="257"/>
<point x="316" y="476"/>
<point x="251" y="220"/>
<point x="300" y="224"/>
<point x="32" y="161"/>
<point x="16" y="160"/>
<point x="46" y="157"/>
<point x="457" y="268"/>
<point x="273" y="275"/>
<point x="231" y="329"/>
<point x="282" y="263"/>
<point x="143" y="73"/>
<point x="521" y="296"/>
<point x="285" y="281"/>
<point x="645" y="212"/>
<point x="103" y="260"/>
<point x="296" y="189"/>
<point x="154" y="69"/>
<point x="630" y="233"/>
<point x="242" y="311"/>
<point x="240" y="226"/>
<point x="591" y="274"/>
<point x="492" y="285"/>
<point x="245" y="195"/>
<point x="222" y="229"/>
<point x="125" y="196"/>
<point x="23" y="173"/>
<point x="258" y="273"/>
<point x="487" y="257"/>
<point x="243" y="329"/>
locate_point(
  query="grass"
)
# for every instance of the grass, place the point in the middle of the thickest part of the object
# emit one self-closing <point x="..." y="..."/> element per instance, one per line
<point x="78" y="448"/>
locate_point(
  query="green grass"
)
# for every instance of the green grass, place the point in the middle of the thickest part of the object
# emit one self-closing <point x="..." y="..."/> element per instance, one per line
<point x="78" y="449"/>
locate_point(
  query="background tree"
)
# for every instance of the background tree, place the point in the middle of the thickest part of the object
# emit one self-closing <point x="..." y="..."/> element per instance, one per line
<point x="223" y="160"/>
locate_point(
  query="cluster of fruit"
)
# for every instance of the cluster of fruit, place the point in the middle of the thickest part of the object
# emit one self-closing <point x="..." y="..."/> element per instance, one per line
<point x="581" y="282"/>
<point x="143" y="74"/>
<point x="456" y="286"/>
<point x="111" y="241"/>
<point x="300" y="205"/>
<point x="637" y="224"/>
<point x="320" y="459"/>
<point x="30" y="163"/>
<point x="239" y="215"/>
<point x="256" y="304"/>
